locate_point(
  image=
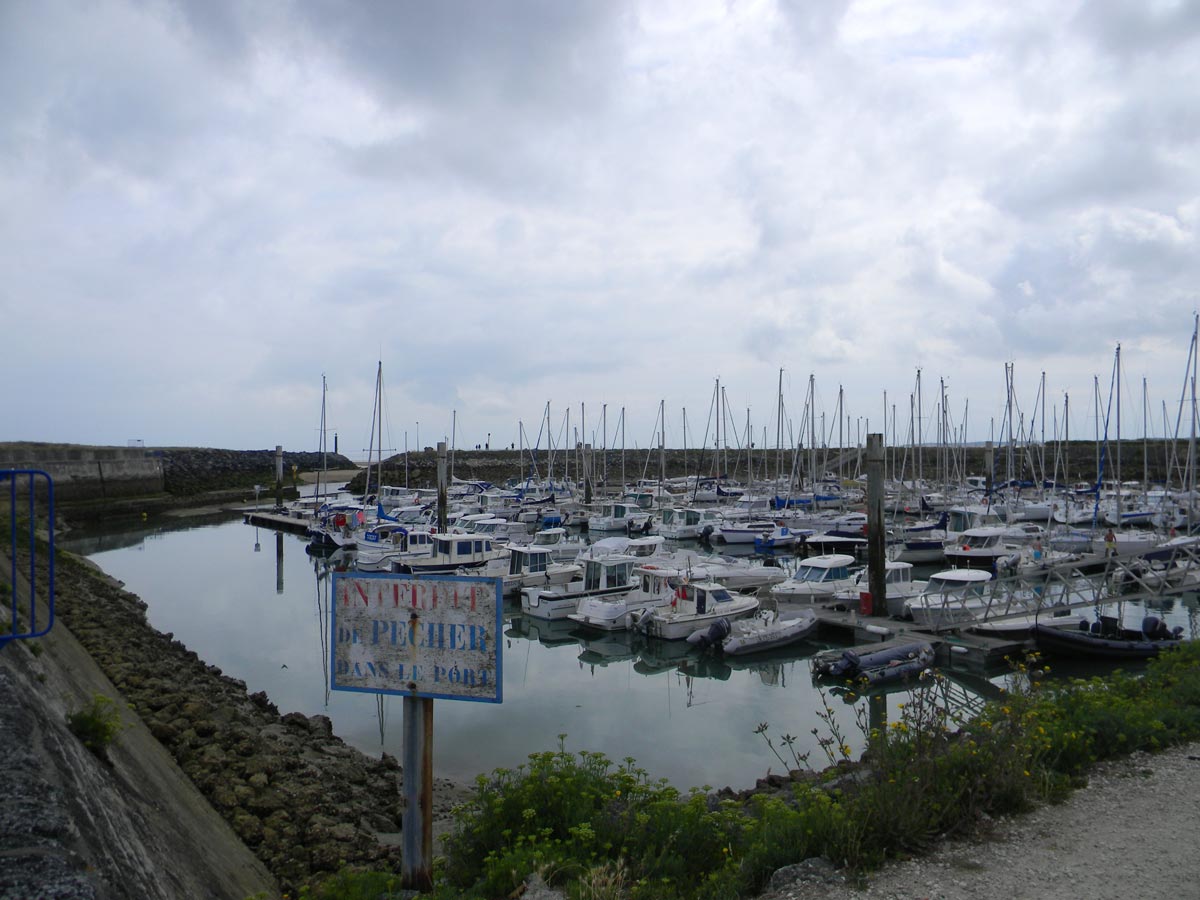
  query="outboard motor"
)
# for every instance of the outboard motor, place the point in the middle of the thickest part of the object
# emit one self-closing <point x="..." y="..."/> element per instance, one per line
<point x="1156" y="629"/>
<point x="714" y="634"/>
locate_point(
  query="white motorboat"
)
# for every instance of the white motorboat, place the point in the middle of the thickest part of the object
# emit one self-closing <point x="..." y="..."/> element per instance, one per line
<point x="781" y="537"/>
<point x="606" y="576"/>
<point x="898" y="585"/>
<point x="689" y="523"/>
<point x="451" y="552"/>
<point x="383" y="545"/>
<point x="981" y="548"/>
<point x="619" y="516"/>
<point x="694" y="608"/>
<point x="562" y="546"/>
<point x="745" y="531"/>
<point x="656" y="587"/>
<point x="817" y="578"/>
<point x="528" y="567"/>
<point x="951" y="597"/>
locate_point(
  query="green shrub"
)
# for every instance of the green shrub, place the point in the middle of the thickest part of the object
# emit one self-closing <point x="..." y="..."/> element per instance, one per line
<point x="96" y="724"/>
<point x="604" y="831"/>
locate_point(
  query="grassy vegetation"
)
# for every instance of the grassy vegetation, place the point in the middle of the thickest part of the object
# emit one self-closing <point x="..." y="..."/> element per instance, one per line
<point x="96" y="724"/>
<point x="600" y="830"/>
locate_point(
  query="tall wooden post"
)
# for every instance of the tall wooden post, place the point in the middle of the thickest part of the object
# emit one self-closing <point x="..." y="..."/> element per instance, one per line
<point x="278" y="477"/>
<point x="876" y="560"/>
<point x="416" y="871"/>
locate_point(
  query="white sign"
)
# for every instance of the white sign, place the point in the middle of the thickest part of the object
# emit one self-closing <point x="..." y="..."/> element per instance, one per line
<point x="432" y="636"/>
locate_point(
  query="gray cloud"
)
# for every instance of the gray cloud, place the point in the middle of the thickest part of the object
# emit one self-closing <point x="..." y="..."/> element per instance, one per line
<point x="582" y="203"/>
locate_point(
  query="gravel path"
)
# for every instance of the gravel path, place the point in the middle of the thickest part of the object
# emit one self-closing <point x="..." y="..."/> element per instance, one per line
<point x="1132" y="833"/>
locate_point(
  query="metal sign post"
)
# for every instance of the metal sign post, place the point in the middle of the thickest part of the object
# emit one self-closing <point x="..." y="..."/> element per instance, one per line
<point x="421" y="638"/>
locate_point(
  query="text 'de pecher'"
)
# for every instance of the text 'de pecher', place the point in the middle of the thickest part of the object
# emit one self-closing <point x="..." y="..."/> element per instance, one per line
<point x="432" y="636"/>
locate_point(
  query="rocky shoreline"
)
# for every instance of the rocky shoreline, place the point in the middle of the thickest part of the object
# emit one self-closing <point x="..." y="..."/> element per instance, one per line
<point x="305" y="802"/>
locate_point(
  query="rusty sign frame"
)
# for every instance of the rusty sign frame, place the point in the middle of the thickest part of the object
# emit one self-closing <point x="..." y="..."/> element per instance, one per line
<point x="421" y="626"/>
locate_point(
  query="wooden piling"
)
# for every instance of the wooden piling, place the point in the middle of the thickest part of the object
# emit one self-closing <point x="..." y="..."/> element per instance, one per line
<point x="876" y="558"/>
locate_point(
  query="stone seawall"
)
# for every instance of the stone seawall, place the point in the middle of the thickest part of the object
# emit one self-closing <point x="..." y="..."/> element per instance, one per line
<point x="82" y="473"/>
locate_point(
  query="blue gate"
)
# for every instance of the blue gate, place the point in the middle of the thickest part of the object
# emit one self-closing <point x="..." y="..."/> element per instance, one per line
<point x="29" y="496"/>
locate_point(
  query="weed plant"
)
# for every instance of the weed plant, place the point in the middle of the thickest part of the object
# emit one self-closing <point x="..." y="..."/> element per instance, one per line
<point x="96" y="724"/>
<point x="602" y="831"/>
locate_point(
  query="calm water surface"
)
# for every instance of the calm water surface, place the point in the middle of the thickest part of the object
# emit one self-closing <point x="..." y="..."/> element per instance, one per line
<point x="254" y="603"/>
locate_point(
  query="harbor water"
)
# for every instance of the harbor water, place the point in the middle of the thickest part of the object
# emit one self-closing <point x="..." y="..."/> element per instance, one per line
<point x="254" y="603"/>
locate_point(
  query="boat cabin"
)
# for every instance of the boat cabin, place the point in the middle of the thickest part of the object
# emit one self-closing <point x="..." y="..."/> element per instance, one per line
<point x="609" y="572"/>
<point x="702" y="598"/>
<point x="549" y="537"/>
<point x="962" y="583"/>
<point x="529" y="560"/>
<point x="832" y="567"/>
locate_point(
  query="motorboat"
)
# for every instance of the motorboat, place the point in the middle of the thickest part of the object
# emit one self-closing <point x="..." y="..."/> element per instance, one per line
<point x="746" y="531"/>
<point x="981" y="548"/>
<point x="689" y="523"/>
<point x="656" y="587"/>
<point x="898" y="585"/>
<point x="562" y="546"/>
<point x="695" y="607"/>
<point x="528" y="567"/>
<point x="606" y="576"/>
<point x="781" y="537"/>
<point x="451" y="552"/>
<point x="817" y="578"/>
<point x="619" y="516"/>
<point x="951" y="597"/>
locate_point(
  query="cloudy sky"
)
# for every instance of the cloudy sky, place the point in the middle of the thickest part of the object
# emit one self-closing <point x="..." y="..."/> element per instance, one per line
<point x="208" y="206"/>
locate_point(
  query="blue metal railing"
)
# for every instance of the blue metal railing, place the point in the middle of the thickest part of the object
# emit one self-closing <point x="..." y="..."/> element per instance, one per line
<point x="26" y="487"/>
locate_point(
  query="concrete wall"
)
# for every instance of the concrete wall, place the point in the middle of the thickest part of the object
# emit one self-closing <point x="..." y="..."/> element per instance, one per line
<point x="89" y="473"/>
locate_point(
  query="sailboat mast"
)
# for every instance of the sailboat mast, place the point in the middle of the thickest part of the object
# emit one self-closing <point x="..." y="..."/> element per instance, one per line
<point x="779" y="431"/>
<point x="1067" y="438"/>
<point x="604" y="446"/>
<point x="324" y="444"/>
<point x="749" y="459"/>
<point x="622" y="446"/>
<point x="1191" y="467"/>
<point x="920" y="437"/>
<point x="662" y="446"/>
<point x="1118" y="467"/>
<point x="1145" y="440"/>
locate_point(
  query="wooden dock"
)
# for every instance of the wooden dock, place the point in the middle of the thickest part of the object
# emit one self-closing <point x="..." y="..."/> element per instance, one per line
<point x="276" y="520"/>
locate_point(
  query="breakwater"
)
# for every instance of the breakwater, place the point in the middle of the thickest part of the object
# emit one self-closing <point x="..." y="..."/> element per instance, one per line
<point x="107" y="476"/>
<point x="83" y="473"/>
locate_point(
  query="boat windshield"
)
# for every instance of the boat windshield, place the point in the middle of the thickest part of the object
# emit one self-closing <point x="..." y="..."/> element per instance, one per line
<point x="944" y="587"/>
<point x="821" y="573"/>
